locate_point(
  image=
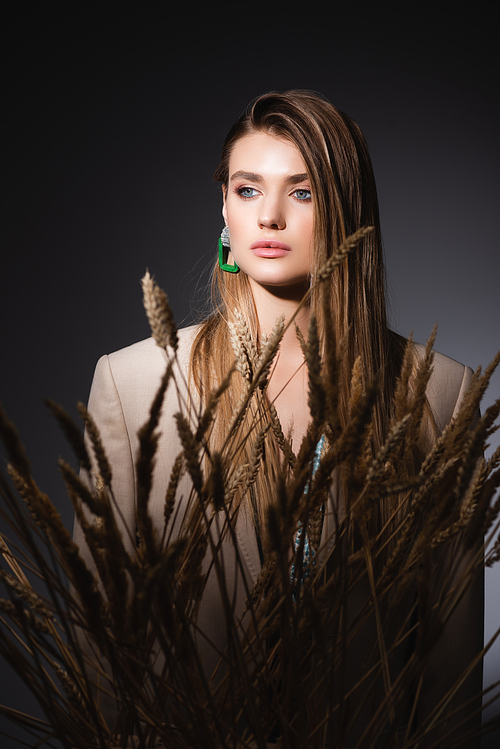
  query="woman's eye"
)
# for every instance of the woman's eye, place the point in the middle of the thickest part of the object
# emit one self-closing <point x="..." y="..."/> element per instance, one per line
<point x="246" y="192"/>
<point x="302" y="194"/>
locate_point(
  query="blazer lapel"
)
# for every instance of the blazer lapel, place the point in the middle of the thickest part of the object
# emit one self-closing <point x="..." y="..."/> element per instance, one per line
<point x="247" y="542"/>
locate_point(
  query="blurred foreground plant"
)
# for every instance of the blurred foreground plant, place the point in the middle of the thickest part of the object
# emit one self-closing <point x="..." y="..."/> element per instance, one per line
<point x="287" y="674"/>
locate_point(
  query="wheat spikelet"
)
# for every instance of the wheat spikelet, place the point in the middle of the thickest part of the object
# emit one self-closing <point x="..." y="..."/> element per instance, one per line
<point x="394" y="439"/>
<point x="438" y="450"/>
<point x="283" y="443"/>
<point x="8" y="607"/>
<point x="93" y="532"/>
<point x="87" y="598"/>
<point x="25" y="490"/>
<point x="95" y="437"/>
<point x="494" y="460"/>
<point x="72" y="433"/>
<point x="409" y="528"/>
<point x="12" y="562"/>
<point x="26" y="620"/>
<point x="458" y="429"/>
<point x="43" y="512"/>
<point x="467" y="414"/>
<point x="15" y="450"/>
<point x="356" y="389"/>
<point x="314" y="528"/>
<point x="245" y="337"/>
<point x="215" y="483"/>
<point x="353" y="434"/>
<point x="477" y="522"/>
<point x="159" y="313"/>
<point x="268" y="352"/>
<point x="260" y="376"/>
<point x="108" y="552"/>
<point x="276" y="426"/>
<point x="317" y="397"/>
<point x="333" y="355"/>
<point x="175" y="476"/>
<point x="420" y="526"/>
<point x="148" y="443"/>
<point x="347" y="246"/>
<point x="401" y="391"/>
<point x="261" y="585"/>
<point x="236" y="482"/>
<point x="209" y="411"/>
<point x="488" y="427"/>
<point x="80" y="489"/>
<point x="26" y="593"/>
<point x="191" y="451"/>
<point x="419" y="395"/>
<point x="473" y="445"/>
<point x="255" y="457"/>
<point x="301" y="340"/>
<point x="242" y="363"/>
<point x="73" y="695"/>
<point x="467" y="507"/>
<point x="145" y="466"/>
<point x="486" y="378"/>
<point x="101" y="532"/>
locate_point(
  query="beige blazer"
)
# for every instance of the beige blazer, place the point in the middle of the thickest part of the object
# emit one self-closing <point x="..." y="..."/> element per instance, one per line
<point x="123" y="388"/>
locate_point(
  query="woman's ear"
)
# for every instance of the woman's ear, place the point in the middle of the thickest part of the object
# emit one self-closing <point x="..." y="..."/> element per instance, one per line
<point x="224" y="208"/>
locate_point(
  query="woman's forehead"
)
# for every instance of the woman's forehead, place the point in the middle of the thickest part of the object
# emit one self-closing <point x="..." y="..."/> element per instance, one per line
<point x="264" y="154"/>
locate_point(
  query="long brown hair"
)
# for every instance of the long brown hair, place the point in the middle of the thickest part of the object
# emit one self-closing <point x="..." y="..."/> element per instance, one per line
<point x="345" y="199"/>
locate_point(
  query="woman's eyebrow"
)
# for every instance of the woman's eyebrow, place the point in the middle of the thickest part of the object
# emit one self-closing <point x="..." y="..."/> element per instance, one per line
<point x="292" y="179"/>
<point x="251" y="176"/>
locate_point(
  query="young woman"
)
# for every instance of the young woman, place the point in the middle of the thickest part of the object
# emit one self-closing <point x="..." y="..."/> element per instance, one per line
<point x="296" y="181"/>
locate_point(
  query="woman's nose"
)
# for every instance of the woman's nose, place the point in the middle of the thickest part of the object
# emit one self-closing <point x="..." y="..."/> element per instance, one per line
<point x="271" y="215"/>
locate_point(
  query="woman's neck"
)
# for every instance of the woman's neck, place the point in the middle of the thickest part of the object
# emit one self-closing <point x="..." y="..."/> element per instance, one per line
<point x="288" y="383"/>
<point x="273" y="302"/>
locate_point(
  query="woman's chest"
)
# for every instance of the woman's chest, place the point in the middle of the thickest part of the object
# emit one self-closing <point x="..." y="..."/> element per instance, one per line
<point x="289" y="393"/>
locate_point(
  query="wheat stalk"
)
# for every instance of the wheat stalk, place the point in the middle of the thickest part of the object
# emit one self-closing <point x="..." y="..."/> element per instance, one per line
<point x="129" y="628"/>
<point x="159" y="314"/>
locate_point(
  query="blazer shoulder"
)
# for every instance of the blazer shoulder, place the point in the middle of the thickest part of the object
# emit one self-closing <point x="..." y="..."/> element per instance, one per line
<point x="448" y="383"/>
<point x="148" y="352"/>
<point x="136" y="370"/>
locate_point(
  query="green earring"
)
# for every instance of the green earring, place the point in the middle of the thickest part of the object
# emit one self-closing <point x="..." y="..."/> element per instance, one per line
<point x="224" y="247"/>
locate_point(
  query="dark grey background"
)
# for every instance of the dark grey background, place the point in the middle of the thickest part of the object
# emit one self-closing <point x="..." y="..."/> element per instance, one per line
<point x="114" y="126"/>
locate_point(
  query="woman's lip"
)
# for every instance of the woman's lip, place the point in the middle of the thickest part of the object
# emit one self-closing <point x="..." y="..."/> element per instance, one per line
<point x="269" y="243"/>
<point x="269" y="252"/>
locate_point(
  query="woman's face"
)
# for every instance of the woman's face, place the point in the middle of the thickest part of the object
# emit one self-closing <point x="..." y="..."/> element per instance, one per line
<point x="269" y="211"/>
